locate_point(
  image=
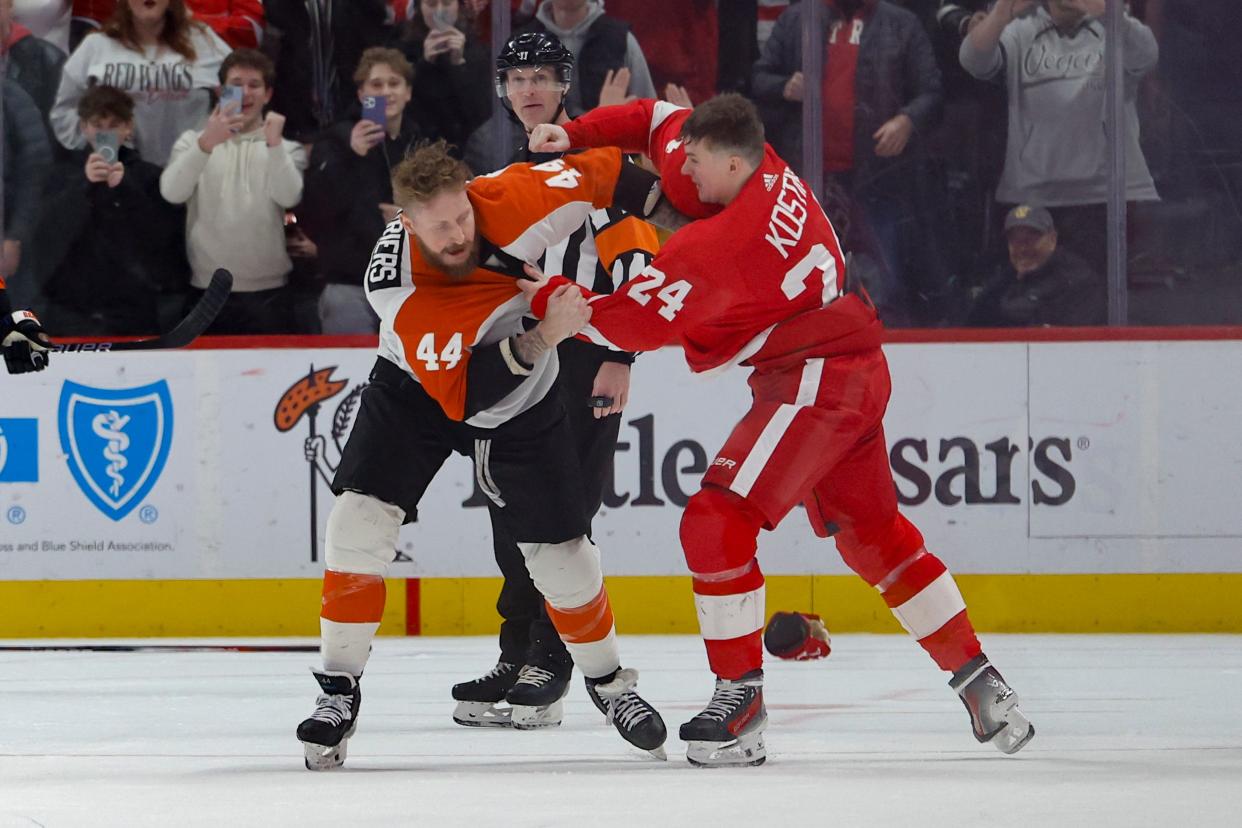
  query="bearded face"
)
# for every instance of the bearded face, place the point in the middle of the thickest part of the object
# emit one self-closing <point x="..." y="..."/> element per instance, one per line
<point x="457" y="260"/>
<point x="445" y="231"/>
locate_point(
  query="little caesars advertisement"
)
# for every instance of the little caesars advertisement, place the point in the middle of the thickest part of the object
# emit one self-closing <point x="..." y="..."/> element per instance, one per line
<point x="1012" y="457"/>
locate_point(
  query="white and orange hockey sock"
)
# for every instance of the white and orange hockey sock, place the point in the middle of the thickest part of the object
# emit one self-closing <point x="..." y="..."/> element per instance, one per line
<point x="589" y="634"/>
<point x="362" y="533"/>
<point x="351" y="608"/>
<point x="572" y="583"/>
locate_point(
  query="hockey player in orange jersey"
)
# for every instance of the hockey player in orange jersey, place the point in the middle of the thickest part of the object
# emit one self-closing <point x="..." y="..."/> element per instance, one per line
<point x="758" y="280"/>
<point x="459" y="372"/>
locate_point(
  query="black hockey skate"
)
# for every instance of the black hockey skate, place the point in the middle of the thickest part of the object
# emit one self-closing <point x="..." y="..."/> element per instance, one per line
<point x="992" y="705"/>
<point x="325" y="734"/>
<point x="477" y="699"/>
<point x="729" y="731"/>
<point x="537" y="697"/>
<point x="635" y="719"/>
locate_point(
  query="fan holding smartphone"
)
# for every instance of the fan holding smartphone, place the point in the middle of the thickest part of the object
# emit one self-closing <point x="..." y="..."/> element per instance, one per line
<point x="444" y="42"/>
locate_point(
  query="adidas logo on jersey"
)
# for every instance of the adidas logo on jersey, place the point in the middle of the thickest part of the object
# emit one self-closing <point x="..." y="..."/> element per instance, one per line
<point x="769" y="181"/>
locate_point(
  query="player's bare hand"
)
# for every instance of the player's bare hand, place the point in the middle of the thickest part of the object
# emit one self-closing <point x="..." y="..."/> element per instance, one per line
<point x="97" y="168"/>
<point x="794" y="87"/>
<point x="365" y="136"/>
<point x="535" y="279"/>
<point x="678" y="96"/>
<point x="892" y="137"/>
<point x="549" y="138"/>
<point x="612" y="380"/>
<point x="273" y="128"/>
<point x="567" y="313"/>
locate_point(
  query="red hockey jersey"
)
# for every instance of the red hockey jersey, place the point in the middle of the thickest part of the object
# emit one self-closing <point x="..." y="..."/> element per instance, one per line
<point x="760" y="282"/>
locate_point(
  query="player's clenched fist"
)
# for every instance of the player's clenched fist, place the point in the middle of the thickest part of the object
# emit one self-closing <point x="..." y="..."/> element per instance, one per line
<point x="568" y="312"/>
<point x="549" y="138"/>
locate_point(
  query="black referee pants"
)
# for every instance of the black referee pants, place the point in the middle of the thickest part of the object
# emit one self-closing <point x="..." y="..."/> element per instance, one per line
<point x="526" y="634"/>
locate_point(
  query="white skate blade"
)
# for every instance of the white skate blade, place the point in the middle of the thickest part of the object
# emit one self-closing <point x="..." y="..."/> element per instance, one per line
<point x="527" y="717"/>
<point x="659" y="753"/>
<point x="745" y="751"/>
<point x="324" y="757"/>
<point x="482" y="714"/>
<point x="1014" y="737"/>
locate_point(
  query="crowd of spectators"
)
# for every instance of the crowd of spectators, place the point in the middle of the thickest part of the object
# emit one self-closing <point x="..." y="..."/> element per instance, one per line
<point x="965" y="142"/>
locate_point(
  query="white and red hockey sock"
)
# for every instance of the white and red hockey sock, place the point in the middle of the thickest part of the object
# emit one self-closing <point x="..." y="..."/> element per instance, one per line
<point x="719" y="530"/>
<point x="926" y="601"/>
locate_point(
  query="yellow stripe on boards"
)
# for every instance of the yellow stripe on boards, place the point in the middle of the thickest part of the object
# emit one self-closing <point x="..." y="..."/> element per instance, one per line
<point x="1146" y="603"/>
<point x="138" y="609"/>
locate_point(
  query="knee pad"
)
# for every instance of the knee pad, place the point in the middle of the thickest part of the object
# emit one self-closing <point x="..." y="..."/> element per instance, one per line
<point x="568" y="574"/>
<point x="719" y="531"/>
<point x="362" y="534"/>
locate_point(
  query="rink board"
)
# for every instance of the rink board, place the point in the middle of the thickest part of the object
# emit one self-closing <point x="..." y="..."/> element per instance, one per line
<point x="1073" y="485"/>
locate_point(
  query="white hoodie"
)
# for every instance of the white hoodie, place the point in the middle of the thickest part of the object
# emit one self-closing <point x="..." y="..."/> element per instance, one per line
<point x="237" y="198"/>
<point x="171" y="94"/>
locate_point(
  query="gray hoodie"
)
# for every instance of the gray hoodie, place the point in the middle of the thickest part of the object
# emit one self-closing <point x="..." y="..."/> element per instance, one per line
<point x="1057" y="153"/>
<point x="641" y="84"/>
<point x="171" y="94"/>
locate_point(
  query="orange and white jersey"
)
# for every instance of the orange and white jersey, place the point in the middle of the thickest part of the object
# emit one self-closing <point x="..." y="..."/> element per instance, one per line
<point x="430" y="323"/>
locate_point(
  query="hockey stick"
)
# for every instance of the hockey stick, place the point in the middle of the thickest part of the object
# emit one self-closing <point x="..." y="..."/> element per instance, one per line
<point x="189" y="329"/>
<point x="161" y="648"/>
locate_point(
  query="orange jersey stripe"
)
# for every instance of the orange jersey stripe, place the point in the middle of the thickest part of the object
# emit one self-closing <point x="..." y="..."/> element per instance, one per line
<point x="581" y="625"/>
<point x="352" y="599"/>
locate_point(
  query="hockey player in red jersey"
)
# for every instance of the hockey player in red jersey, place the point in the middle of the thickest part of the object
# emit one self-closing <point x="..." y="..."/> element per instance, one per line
<point x="759" y="280"/>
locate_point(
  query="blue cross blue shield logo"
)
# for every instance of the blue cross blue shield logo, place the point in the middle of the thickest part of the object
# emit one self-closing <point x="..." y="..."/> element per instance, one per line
<point x="116" y="440"/>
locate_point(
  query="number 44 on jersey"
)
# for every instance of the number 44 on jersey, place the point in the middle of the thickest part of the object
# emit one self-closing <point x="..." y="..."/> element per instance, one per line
<point x="429" y="354"/>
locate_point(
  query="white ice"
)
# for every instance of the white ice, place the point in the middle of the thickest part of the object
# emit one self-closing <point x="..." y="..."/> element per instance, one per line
<point x="1131" y="730"/>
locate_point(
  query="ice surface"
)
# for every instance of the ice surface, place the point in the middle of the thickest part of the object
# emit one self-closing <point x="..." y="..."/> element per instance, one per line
<point x="1131" y="730"/>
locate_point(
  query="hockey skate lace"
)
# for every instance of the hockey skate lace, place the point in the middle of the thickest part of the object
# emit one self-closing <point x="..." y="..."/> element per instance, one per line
<point x="628" y="709"/>
<point x="723" y="703"/>
<point x="500" y="669"/>
<point x="535" y="675"/>
<point x="331" y="709"/>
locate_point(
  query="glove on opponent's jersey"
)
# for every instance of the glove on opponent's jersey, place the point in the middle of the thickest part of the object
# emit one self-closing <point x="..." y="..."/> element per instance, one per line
<point x="759" y="282"/>
<point x="430" y="323"/>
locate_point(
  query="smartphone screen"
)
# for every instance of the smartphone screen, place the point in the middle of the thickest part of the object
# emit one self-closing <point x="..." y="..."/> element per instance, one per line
<point x="107" y="145"/>
<point x="231" y="95"/>
<point x="374" y="109"/>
